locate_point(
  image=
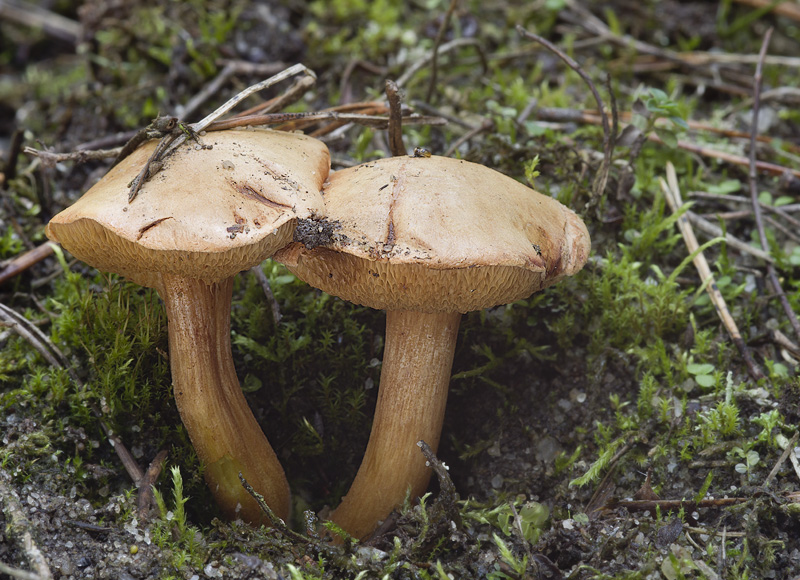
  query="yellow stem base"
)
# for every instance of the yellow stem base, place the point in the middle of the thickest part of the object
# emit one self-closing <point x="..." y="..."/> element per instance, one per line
<point x="413" y="392"/>
<point x="223" y="430"/>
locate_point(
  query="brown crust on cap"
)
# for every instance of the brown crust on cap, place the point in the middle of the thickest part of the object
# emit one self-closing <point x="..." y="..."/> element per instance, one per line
<point x="439" y="234"/>
<point x="208" y="213"/>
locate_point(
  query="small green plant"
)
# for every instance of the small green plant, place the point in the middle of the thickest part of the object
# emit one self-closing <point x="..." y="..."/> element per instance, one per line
<point x="526" y="518"/>
<point x="653" y="106"/>
<point x="719" y="422"/>
<point x="750" y="459"/>
<point x="702" y="374"/>
<point x="600" y="463"/>
<point x="770" y="422"/>
<point x="518" y="566"/>
<point x="10" y="244"/>
<point x="531" y="173"/>
<point x="173" y="530"/>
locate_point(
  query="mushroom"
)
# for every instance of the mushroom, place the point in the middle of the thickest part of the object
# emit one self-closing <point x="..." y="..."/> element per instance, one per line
<point x="208" y="214"/>
<point x="427" y="239"/>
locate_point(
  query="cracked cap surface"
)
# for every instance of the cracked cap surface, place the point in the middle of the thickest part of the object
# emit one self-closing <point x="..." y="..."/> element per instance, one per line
<point x="438" y="234"/>
<point x="207" y="214"/>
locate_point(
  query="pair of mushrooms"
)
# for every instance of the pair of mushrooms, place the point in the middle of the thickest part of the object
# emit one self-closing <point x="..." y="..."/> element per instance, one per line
<point x="424" y="238"/>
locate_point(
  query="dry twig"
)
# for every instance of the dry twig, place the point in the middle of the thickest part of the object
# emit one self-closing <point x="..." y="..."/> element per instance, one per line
<point x="715" y="231"/>
<point x="394" y="97"/>
<point x="265" y="286"/>
<point x="777" y="210"/>
<point x="231" y="68"/>
<point x="766" y="167"/>
<point x="446" y="47"/>
<point x="594" y="118"/>
<point x="435" y="53"/>
<point x="34" y="16"/>
<point x="49" y="159"/>
<point x="582" y="17"/>
<point x="25" y="260"/>
<point x="609" y="133"/>
<point x="788" y="9"/>
<point x="146" y="498"/>
<point x="673" y="196"/>
<point x="784" y="456"/>
<point x="18" y="527"/>
<point x="753" y="182"/>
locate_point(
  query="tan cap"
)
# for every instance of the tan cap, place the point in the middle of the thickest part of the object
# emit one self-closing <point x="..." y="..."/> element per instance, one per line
<point x="438" y="234"/>
<point x="207" y="214"/>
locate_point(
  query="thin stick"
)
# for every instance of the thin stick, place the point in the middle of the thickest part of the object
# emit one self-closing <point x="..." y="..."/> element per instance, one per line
<point x="12" y="151"/>
<point x="783" y="341"/>
<point x="35" y="337"/>
<point x="788" y="9"/>
<point x="144" y="501"/>
<point x="784" y="456"/>
<point x="233" y="101"/>
<point x="448" y="496"/>
<point x="777" y="210"/>
<point x="231" y="68"/>
<point x="264" y="282"/>
<point x="128" y="462"/>
<point x="238" y="98"/>
<point x="673" y="196"/>
<point x="674" y="504"/>
<point x="709" y="532"/>
<point x="592" y="117"/>
<point x="435" y="56"/>
<point x="715" y="231"/>
<point x="34" y="16"/>
<point x="275" y="521"/>
<point x="377" y="121"/>
<point x="765" y="166"/>
<point x="17" y="573"/>
<point x="395" y="119"/>
<point x="746" y="213"/>
<point x="446" y="47"/>
<point x="26" y="260"/>
<point x="293" y="94"/>
<point x="49" y="158"/>
<point x="753" y="181"/>
<point x="487" y="125"/>
<point x="584" y="18"/>
<point x="18" y="528"/>
<point x="207" y="91"/>
<point x="599" y="185"/>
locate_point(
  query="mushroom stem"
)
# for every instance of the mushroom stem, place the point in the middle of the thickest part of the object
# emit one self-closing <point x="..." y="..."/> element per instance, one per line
<point x="415" y="377"/>
<point x="223" y="430"/>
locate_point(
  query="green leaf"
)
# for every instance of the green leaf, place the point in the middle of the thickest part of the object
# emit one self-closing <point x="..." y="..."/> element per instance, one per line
<point x="705" y="380"/>
<point x="679" y="122"/>
<point x="668" y="137"/>
<point x="659" y="94"/>
<point x="725" y="187"/>
<point x="700" y="369"/>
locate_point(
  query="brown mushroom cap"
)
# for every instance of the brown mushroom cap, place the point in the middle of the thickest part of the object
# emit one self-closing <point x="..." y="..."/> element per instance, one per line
<point x="438" y="234"/>
<point x="208" y="214"/>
